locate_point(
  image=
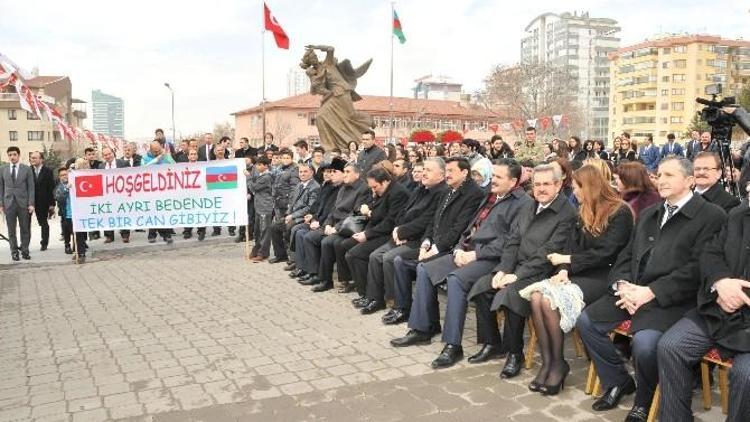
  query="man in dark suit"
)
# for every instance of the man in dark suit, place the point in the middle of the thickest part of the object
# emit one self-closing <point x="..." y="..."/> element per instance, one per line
<point x="722" y="320"/>
<point x="691" y="146"/>
<point x="44" y="192"/>
<point x="284" y="183"/>
<point x="371" y="154"/>
<point x="707" y="172"/>
<point x="300" y="201"/>
<point x="110" y="162"/>
<point x="245" y="150"/>
<point x="410" y="225"/>
<point x="477" y="253"/>
<point x="130" y="156"/>
<point x="205" y="151"/>
<point x="17" y="193"/>
<point x="455" y="209"/>
<point x="671" y="148"/>
<point x="181" y="155"/>
<point x="543" y="226"/>
<point x="654" y="282"/>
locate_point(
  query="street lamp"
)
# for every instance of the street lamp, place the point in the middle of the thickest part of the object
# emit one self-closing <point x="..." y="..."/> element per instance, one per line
<point x="174" y="139"/>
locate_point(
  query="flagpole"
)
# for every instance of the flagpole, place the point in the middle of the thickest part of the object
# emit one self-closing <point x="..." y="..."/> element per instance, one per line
<point x="390" y="103"/>
<point x="263" y="77"/>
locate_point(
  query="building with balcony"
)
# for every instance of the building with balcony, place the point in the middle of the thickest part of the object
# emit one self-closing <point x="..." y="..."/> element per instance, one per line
<point x="580" y="44"/>
<point x="30" y="133"/>
<point x="437" y="88"/>
<point x="108" y="114"/>
<point x="293" y="118"/>
<point x="655" y="83"/>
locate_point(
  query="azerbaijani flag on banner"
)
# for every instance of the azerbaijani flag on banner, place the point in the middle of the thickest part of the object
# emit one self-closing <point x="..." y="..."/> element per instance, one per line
<point x="397" y="28"/>
<point x="221" y="177"/>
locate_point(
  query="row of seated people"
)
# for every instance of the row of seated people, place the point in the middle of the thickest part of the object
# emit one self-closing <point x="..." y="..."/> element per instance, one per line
<point x="677" y="271"/>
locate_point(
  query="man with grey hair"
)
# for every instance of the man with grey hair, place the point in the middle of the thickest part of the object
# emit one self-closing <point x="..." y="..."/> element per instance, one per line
<point x="653" y="283"/>
<point x="110" y="162"/>
<point x="542" y="227"/>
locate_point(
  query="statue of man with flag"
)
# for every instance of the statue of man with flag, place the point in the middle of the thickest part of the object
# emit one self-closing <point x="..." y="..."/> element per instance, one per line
<point x="337" y="121"/>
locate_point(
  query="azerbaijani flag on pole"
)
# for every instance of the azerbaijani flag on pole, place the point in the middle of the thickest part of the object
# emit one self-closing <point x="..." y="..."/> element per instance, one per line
<point x="221" y="177"/>
<point x="397" y="28"/>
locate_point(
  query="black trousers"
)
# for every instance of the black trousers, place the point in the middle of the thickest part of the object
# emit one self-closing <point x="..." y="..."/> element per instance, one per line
<point x="110" y="234"/>
<point x="67" y="232"/>
<point x="487" y="328"/>
<point x="328" y="257"/>
<point x="165" y="233"/>
<point x="41" y="218"/>
<point x="262" y="234"/>
<point x="311" y="244"/>
<point x="358" y="259"/>
<point x="280" y="235"/>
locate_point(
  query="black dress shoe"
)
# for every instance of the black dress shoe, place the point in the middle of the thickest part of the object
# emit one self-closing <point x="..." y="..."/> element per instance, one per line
<point x="151" y="240"/>
<point x="239" y="239"/>
<point x="305" y="277"/>
<point x="26" y="256"/>
<point x="68" y="250"/>
<point x="388" y="314"/>
<point x="513" y="365"/>
<point x="309" y="281"/>
<point x="448" y="357"/>
<point x="296" y="273"/>
<point x="413" y="337"/>
<point x="360" y="302"/>
<point x="187" y="235"/>
<point x="276" y="260"/>
<point x="322" y="286"/>
<point x="372" y="307"/>
<point x="201" y="236"/>
<point x="43" y="248"/>
<point x="290" y="266"/>
<point x="15" y="256"/>
<point x="397" y="317"/>
<point x="487" y="352"/>
<point x="612" y="396"/>
<point x="637" y="414"/>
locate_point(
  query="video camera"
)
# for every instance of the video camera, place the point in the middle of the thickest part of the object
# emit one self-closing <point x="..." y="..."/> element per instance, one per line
<point x="722" y="115"/>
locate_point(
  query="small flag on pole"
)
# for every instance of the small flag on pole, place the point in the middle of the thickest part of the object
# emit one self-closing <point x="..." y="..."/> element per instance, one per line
<point x="282" y="41"/>
<point x="397" y="28"/>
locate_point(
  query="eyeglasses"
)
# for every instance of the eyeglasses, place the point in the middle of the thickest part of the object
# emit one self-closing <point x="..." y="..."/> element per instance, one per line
<point x="702" y="169"/>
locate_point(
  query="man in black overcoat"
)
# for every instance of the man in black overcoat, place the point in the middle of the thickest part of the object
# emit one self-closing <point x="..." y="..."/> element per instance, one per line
<point x="654" y="282"/>
<point x="707" y="172"/>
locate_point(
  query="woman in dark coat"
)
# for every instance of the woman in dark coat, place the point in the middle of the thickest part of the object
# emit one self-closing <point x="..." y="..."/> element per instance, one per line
<point x="635" y="187"/>
<point x="604" y="226"/>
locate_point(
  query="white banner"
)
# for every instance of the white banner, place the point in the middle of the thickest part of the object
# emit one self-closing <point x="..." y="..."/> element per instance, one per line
<point x="201" y="194"/>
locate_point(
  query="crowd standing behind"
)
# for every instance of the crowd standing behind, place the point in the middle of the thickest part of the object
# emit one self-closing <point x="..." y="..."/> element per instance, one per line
<point x="566" y="233"/>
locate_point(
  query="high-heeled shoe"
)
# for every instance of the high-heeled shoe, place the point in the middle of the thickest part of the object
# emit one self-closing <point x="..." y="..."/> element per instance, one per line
<point x="553" y="390"/>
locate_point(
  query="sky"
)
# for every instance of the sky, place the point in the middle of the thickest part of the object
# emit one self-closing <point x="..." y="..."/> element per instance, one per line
<point x="210" y="52"/>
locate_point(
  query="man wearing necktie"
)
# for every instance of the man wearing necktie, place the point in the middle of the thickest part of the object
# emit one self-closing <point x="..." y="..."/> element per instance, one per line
<point x="109" y="163"/>
<point x="17" y="196"/>
<point x="303" y="196"/>
<point x="44" y="192"/>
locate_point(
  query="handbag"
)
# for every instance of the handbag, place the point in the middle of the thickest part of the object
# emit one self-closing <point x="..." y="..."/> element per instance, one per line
<point x="352" y="224"/>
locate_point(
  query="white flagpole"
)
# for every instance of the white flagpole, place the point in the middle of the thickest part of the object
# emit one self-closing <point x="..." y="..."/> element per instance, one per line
<point x="390" y="103"/>
<point x="263" y="75"/>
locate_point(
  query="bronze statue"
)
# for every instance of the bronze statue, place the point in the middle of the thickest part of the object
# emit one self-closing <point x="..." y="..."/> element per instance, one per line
<point x="337" y="121"/>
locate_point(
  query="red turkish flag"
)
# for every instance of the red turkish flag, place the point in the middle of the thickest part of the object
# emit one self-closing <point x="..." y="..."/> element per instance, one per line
<point x="89" y="186"/>
<point x="282" y="41"/>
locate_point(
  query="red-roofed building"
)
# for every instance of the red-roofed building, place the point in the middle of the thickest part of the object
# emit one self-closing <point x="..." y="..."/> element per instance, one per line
<point x="293" y="118"/>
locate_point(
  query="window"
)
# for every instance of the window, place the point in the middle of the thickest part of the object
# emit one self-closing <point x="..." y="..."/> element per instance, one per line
<point x="665" y="106"/>
<point x="678" y="77"/>
<point x="678" y="106"/>
<point x="664" y="92"/>
<point x="665" y="78"/>
<point x="12" y="114"/>
<point x="664" y="120"/>
<point x="13" y="135"/>
<point x="311" y="118"/>
<point x="680" y="64"/>
<point x="35" y="135"/>
<point x="678" y="91"/>
<point x="680" y="49"/>
<point x="666" y="65"/>
<point x="31" y="116"/>
<point x="665" y="51"/>
<point x="675" y="119"/>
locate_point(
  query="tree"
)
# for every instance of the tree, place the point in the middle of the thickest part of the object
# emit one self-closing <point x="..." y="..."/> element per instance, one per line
<point x="281" y="129"/>
<point x="697" y="123"/>
<point x="744" y="98"/>
<point x="223" y="129"/>
<point x="530" y="91"/>
<point x="52" y="158"/>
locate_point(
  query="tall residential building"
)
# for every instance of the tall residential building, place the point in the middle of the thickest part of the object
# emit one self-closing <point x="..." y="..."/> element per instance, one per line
<point x="297" y="82"/>
<point x="580" y="44"/>
<point x="30" y="133"/>
<point x="437" y="88"/>
<point x="654" y="83"/>
<point x="108" y="114"/>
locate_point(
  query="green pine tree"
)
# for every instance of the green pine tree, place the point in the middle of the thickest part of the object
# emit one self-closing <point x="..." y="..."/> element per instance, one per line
<point x="696" y="124"/>
<point x="52" y="159"/>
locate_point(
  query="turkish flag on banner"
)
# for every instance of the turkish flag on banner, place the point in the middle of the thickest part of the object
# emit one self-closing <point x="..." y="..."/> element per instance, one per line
<point x="282" y="41"/>
<point x="89" y="186"/>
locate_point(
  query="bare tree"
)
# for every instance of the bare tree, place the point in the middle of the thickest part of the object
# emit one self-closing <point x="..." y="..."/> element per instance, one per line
<point x="281" y="129"/>
<point x="530" y="91"/>
<point x="223" y="129"/>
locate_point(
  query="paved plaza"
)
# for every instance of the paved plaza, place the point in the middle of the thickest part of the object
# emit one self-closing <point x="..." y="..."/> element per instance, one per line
<point x="192" y="332"/>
